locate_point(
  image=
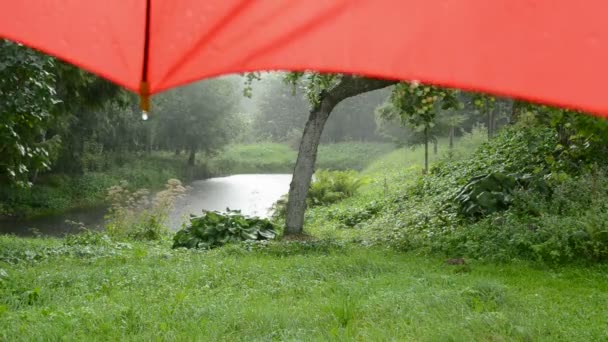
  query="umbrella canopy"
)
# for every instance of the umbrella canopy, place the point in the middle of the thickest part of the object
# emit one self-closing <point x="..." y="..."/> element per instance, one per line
<point x="554" y="52"/>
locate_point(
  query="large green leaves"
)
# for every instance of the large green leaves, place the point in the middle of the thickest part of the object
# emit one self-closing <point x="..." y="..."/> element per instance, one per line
<point x="215" y="229"/>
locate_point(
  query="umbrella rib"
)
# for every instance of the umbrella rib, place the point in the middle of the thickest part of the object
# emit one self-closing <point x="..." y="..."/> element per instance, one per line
<point x="229" y="17"/>
<point x="144" y="88"/>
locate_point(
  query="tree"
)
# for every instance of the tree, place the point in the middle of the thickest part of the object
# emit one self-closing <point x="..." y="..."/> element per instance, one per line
<point x="451" y="120"/>
<point x="200" y="117"/>
<point x="27" y="100"/>
<point x="353" y="118"/>
<point x="486" y="105"/>
<point x="325" y="92"/>
<point x="280" y="110"/>
<point x="417" y="106"/>
<point x="91" y="111"/>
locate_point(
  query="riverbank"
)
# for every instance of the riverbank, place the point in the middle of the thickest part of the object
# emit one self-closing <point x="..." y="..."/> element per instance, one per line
<point x="57" y="193"/>
<point x="54" y="194"/>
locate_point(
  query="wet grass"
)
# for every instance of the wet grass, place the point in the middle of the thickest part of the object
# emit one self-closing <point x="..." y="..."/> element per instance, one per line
<point x="280" y="158"/>
<point x="294" y="291"/>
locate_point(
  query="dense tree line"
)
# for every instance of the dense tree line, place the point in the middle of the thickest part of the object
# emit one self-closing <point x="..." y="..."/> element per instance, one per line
<point x="58" y="118"/>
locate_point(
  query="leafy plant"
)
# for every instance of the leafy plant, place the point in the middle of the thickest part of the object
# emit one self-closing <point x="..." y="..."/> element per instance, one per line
<point x="351" y="218"/>
<point x="137" y="215"/>
<point x="486" y="194"/>
<point x="333" y="186"/>
<point x="214" y="229"/>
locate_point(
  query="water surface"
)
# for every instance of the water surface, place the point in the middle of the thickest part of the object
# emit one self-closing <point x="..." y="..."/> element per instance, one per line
<point x="253" y="194"/>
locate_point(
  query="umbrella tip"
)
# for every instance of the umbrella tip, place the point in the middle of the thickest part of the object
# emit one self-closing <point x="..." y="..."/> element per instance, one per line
<point x="144" y="99"/>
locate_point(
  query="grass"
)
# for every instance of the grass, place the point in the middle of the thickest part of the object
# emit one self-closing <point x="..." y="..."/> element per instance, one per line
<point x="254" y="158"/>
<point x="388" y="174"/>
<point x="285" y="292"/>
<point x="280" y="158"/>
<point x="350" y="155"/>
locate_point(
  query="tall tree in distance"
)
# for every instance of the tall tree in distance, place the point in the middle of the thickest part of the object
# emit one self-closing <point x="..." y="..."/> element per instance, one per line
<point x="201" y="117"/>
<point x="417" y="106"/>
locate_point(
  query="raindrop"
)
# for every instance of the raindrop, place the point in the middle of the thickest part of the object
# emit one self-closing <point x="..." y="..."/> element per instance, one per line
<point x="144" y="115"/>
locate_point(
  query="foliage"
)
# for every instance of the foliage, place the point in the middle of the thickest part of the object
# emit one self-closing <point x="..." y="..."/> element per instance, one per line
<point x="417" y="106"/>
<point x="205" y="109"/>
<point x="87" y="244"/>
<point x="135" y="215"/>
<point x="281" y="111"/>
<point x="353" y="218"/>
<point x="27" y="98"/>
<point x="278" y="109"/>
<point x="515" y="197"/>
<point x="332" y="186"/>
<point x="214" y="229"/>
<point x="487" y="194"/>
<point x="55" y="193"/>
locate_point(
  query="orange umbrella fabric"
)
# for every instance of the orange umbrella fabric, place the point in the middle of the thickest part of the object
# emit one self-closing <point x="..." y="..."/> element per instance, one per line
<point x="551" y="51"/>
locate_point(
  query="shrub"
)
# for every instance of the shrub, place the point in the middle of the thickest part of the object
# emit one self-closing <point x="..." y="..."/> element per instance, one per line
<point x="326" y="188"/>
<point x="512" y="199"/>
<point x="214" y="229"/>
<point x="487" y="194"/>
<point x="354" y="216"/>
<point x="135" y="215"/>
<point x="333" y="186"/>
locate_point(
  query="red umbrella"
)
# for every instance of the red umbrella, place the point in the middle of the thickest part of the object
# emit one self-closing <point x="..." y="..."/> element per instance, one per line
<point x="552" y="51"/>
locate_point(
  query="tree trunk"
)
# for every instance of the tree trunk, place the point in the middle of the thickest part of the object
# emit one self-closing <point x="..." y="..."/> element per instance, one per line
<point x="178" y="151"/>
<point x="426" y="151"/>
<point x="192" y="156"/>
<point x="451" y="138"/>
<point x="515" y="111"/>
<point x="304" y="168"/>
<point x="435" y="143"/>
<point x="302" y="174"/>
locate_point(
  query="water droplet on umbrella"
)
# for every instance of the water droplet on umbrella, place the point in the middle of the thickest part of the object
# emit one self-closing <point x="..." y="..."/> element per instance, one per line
<point x="144" y="115"/>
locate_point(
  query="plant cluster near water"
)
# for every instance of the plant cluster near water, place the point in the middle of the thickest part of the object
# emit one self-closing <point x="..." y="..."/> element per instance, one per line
<point x="137" y="215"/>
<point x="327" y="187"/>
<point x="214" y="229"/>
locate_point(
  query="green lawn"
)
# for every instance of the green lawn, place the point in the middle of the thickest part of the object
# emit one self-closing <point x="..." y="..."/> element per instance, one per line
<point x="293" y="292"/>
<point x="280" y="158"/>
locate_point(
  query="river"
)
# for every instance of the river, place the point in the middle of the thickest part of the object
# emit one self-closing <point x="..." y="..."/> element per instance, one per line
<point x="253" y="194"/>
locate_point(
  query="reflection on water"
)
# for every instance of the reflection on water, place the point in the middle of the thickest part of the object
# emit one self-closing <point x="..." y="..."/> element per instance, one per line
<point x="252" y="194"/>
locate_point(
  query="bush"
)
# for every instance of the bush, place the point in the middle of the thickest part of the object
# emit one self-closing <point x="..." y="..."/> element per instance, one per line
<point x="214" y="229"/>
<point x="332" y="186"/>
<point x="512" y="199"/>
<point x="135" y="215"/>
<point x="327" y="187"/>
<point x="354" y="216"/>
<point x="487" y="194"/>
